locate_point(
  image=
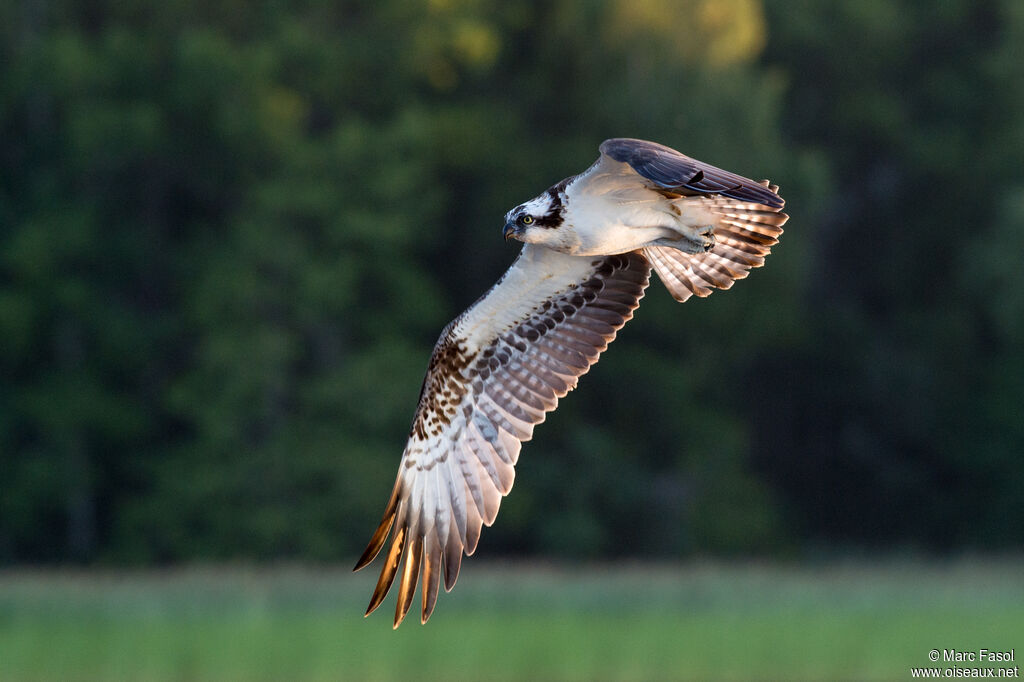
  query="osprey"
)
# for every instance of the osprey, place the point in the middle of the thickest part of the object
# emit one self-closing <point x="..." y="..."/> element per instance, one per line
<point x="590" y="243"/>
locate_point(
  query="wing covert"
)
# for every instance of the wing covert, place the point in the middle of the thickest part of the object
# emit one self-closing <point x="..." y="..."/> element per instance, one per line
<point x="675" y="171"/>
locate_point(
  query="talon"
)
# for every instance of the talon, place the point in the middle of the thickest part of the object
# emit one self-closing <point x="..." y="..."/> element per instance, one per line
<point x="708" y="234"/>
<point x="694" y="240"/>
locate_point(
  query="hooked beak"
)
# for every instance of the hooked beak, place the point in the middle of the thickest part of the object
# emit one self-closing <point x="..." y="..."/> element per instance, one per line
<point x="509" y="231"/>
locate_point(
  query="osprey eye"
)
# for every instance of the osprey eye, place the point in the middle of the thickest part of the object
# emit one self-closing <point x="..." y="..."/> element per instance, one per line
<point x="526" y="220"/>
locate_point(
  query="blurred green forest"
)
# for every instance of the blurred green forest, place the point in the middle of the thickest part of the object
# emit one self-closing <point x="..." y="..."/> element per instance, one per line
<point x="230" y="233"/>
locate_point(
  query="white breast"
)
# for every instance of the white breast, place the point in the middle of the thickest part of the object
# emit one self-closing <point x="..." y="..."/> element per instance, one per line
<point x="610" y="209"/>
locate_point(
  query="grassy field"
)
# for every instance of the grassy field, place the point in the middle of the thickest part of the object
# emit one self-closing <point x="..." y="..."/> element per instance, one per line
<point x="692" y="621"/>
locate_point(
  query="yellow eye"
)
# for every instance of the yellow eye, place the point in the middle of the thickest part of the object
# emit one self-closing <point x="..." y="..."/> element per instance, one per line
<point x="527" y="220"/>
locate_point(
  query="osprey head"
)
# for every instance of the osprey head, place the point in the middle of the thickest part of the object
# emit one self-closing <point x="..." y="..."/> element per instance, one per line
<point x="534" y="221"/>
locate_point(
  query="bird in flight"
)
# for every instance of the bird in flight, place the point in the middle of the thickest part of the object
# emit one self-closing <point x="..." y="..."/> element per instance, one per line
<point x="590" y="243"/>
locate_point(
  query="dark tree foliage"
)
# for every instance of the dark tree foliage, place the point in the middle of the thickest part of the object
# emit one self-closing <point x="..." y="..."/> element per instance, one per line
<point x="899" y="421"/>
<point x="231" y="232"/>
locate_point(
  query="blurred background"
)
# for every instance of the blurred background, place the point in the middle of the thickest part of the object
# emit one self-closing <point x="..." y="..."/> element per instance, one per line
<point x="230" y="233"/>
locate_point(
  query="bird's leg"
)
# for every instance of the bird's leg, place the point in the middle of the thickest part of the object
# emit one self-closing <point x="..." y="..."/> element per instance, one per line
<point x="705" y="240"/>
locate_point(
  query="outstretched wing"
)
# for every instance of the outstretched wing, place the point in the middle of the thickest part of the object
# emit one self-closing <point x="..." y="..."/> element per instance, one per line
<point x="674" y="171"/>
<point x="744" y="234"/>
<point x="496" y="371"/>
<point x="747" y="214"/>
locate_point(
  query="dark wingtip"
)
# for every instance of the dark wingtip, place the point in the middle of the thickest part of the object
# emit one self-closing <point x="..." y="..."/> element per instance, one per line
<point x="369" y="554"/>
<point x="380" y="535"/>
<point x="390" y="568"/>
<point x="410" y="577"/>
<point x="431" y="575"/>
